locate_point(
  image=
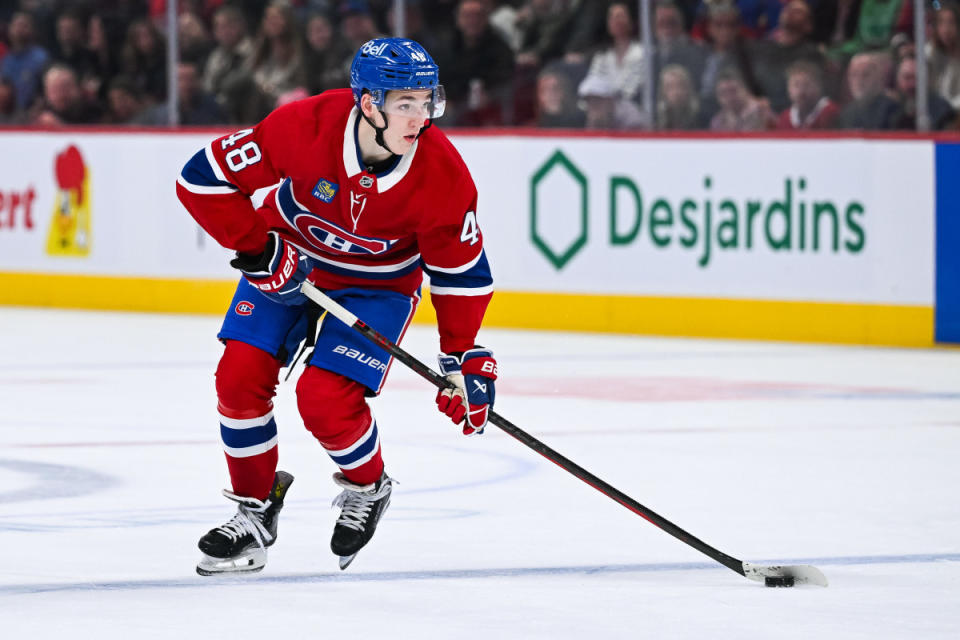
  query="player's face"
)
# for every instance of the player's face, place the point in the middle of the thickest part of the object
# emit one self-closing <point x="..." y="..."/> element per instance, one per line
<point x="407" y="112"/>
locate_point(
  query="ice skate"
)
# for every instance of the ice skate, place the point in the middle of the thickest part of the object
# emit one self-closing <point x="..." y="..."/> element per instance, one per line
<point x="362" y="508"/>
<point x="240" y="545"/>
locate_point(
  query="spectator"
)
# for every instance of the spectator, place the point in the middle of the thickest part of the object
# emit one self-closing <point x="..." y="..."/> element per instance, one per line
<point x="809" y="107"/>
<point x="739" y="110"/>
<point x="789" y="43"/>
<point x="103" y="52"/>
<point x="623" y="59"/>
<point x="25" y="61"/>
<point x="63" y="102"/>
<point x="413" y="25"/>
<point x="727" y="48"/>
<point x="677" y="106"/>
<point x="556" y="103"/>
<point x="226" y="75"/>
<point x="71" y="49"/>
<point x="673" y="44"/>
<point x="504" y="19"/>
<point x="871" y="107"/>
<point x="356" y="25"/>
<point x="943" y="52"/>
<point x="325" y="54"/>
<point x="942" y="115"/>
<point x="477" y="68"/>
<point x="195" y="106"/>
<point x="546" y="26"/>
<point x="144" y="59"/>
<point x="605" y="109"/>
<point x="193" y="39"/>
<point x="8" y="103"/>
<point x="277" y="62"/>
<point x="876" y="23"/>
<point x="124" y="105"/>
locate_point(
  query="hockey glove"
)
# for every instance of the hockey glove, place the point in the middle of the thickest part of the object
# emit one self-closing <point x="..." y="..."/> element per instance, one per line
<point x="473" y="373"/>
<point x="278" y="271"/>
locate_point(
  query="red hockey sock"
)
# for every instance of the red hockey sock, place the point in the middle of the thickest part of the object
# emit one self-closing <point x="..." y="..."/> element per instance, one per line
<point x="246" y="383"/>
<point x="335" y="411"/>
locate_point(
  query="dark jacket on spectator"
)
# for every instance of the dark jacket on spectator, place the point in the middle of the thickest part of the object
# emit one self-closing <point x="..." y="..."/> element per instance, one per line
<point x="878" y="112"/>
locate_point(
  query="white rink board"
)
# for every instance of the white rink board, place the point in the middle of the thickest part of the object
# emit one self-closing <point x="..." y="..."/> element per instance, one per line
<point x="892" y="180"/>
<point x="140" y="229"/>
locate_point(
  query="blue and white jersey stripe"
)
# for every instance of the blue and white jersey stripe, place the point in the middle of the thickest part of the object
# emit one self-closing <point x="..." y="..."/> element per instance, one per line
<point x="360" y="452"/>
<point x="470" y="279"/>
<point x="203" y="175"/>
<point x="250" y="437"/>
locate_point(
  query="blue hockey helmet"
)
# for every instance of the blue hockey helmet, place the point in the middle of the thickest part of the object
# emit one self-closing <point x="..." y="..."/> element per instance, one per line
<point x="391" y="64"/>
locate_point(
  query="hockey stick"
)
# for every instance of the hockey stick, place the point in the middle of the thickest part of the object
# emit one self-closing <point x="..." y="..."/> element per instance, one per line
<point x="779" y="576"/>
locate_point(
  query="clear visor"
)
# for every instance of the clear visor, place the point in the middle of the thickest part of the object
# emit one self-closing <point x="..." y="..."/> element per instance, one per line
<point x="416" y="104"/>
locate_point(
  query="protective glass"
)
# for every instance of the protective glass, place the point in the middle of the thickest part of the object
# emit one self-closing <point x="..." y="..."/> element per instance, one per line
<point x="411" y="105"/>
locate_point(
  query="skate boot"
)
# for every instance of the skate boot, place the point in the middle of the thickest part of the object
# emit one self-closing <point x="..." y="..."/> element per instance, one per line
<point x="240" y="545"/>
<point x="363" y="506"/>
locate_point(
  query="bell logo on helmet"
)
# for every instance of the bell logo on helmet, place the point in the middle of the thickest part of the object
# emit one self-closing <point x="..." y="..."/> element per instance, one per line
<point x="373" y="49"/>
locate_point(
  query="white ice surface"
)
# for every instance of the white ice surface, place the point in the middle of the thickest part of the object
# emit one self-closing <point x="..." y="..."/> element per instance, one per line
<point x="846" y="458"/>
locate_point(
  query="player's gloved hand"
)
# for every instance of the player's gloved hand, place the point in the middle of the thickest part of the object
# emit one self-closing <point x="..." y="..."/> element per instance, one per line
<point x="278" y="271"/>
<point x="473" y="373"/>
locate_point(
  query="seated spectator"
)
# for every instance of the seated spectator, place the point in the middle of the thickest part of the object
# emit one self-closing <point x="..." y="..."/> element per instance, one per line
<point x="877" y="21"/>
<point x="556" y="103"/>
<point x="123" y="103"/>
<point x="195" y="106"/>
<point x="63" y="102"/>
<point x="871" y="107"/>
<point x="739" y="110"/>
<point x="226" y="75"/>
<point x="193" y="39"/>
<point x="622" y="60"/>
<point x="789" y="43"/>
<point x="677" y="106"/>
<point x="325" y="54"/>
<point x="546" y="26"/>
<point x="105" y="58"/>
<point x="71" y="49"/>
<point x="477" y="68"/>
<point x="25" y="61"/>
<point x="943" y="53"/>
<point x="357" y="25"/>
<point x="605" y="108"/>
<point x="809" y="107"/>
<point x="673" y="44"/>
<point x="941" y="114"/>
<point x="8" y="103"/>
<point x="144" y="60"/>
<point x="277" y="62"/>
<point x="727" y="48"/>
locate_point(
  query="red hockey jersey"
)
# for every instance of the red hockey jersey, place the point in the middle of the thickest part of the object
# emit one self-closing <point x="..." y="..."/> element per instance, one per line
<point x="361" y="229"/>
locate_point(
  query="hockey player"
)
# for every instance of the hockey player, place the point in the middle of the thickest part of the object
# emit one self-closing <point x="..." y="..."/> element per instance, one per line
<point x="367" y="197"/>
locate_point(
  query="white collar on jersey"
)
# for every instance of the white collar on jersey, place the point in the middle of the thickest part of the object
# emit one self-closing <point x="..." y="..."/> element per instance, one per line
<point x="353" y="167"/>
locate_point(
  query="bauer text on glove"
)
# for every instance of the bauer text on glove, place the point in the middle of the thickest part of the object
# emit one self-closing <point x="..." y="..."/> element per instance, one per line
<point x="278" y="271"/>
<point x="473" y="374"/>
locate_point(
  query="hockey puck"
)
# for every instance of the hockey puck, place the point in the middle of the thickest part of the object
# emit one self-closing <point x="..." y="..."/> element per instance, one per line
<point x="778" y="581"/>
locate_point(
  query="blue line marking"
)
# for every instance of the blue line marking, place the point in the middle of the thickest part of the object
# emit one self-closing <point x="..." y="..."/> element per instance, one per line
<point x="447" y="574"/>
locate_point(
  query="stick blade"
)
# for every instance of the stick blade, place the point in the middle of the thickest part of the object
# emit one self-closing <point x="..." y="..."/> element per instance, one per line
<point x="801" y="573"/>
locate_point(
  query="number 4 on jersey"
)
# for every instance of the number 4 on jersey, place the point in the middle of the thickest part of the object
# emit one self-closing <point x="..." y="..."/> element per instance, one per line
<point x="245" y="155"/>
<point x="471" y="230"/>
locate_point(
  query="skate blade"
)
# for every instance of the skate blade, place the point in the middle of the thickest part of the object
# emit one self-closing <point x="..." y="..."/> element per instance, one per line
<point x="248" y="562"/>
<point x="346" y="560"/>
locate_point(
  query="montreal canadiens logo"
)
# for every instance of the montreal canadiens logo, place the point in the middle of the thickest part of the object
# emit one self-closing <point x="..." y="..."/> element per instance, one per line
<point x="244" y="308"/>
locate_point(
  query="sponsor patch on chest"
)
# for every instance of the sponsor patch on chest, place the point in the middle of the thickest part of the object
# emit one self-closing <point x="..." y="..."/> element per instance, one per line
<point x="325" y="190"/>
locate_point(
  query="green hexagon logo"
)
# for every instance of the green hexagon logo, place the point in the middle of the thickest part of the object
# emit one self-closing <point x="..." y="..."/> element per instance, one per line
<point x="558" y="209"/>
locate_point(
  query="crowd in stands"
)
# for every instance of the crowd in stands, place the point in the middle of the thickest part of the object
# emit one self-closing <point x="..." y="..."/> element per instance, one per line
<point x="721" y="65"/>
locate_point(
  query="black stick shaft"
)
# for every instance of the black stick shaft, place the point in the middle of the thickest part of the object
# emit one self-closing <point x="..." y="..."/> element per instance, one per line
<point x="553" y="456"/>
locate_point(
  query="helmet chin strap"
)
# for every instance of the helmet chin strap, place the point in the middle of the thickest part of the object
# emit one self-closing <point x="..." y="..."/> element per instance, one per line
<point x="378" y="138"/>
